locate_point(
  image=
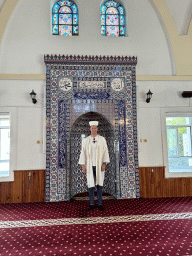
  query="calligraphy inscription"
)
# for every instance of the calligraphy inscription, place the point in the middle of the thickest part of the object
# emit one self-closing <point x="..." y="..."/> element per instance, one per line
<point x="117" y="84"/>
<point x="92" y="85"/>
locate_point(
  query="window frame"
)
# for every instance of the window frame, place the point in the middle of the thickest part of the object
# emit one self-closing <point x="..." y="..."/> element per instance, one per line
<point x="119" y="16"/>
<point x="175" y="127"/>
<point x="13" y="142"/>
<point x="58" y="13"/>
<point x="176" y="111"/>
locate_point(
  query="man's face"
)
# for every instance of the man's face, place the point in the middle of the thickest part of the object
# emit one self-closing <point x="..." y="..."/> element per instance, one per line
<point x="93" y="129"/>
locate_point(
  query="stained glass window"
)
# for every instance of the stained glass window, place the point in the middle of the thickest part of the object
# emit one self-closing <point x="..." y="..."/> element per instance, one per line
<point x="65" y="19"/>
<point x="112" y="19"/>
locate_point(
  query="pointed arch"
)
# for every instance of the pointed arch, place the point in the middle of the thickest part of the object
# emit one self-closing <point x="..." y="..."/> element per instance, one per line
<point x="112" y="19"/>
<point x="65" y="18"/>
<point x="79" y="130"/>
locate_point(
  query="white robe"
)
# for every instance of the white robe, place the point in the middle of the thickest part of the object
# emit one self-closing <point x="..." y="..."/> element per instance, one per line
<point x="102" y="156"/>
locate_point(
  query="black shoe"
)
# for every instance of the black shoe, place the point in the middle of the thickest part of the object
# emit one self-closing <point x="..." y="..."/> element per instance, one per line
<point x="100" y="207"/>
<point x="91" y="208"/>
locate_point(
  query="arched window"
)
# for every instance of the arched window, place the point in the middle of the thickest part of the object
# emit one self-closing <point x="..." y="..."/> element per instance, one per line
<point x="112" y="19"/>
<point x="65" y="19"/>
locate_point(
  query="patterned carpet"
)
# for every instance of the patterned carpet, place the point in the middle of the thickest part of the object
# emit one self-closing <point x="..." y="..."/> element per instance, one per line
<point x="127" y="227"/>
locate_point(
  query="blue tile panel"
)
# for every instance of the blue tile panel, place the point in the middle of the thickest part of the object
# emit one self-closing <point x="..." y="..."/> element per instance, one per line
<point x="77" y="89"/>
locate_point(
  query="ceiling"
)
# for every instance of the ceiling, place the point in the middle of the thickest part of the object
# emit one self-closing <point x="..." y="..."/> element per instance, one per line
<point x="181" y="11"/>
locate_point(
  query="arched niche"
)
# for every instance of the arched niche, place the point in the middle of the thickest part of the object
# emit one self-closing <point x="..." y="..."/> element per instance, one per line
<point x="80" y="130"/>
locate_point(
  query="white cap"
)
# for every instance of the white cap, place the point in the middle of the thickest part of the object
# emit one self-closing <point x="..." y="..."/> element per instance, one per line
<point x="93" y="123"/>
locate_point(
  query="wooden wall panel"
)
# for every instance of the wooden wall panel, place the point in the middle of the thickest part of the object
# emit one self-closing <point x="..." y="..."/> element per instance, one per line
<point x="11" y="191"/>
<point x="6" y="191"/>
<point x="34" y="186"/>
<point x="153" y="184"/>
<point x="26" y="187"/>
<point x="23" y="189"/>
<point x="17" y="187"/>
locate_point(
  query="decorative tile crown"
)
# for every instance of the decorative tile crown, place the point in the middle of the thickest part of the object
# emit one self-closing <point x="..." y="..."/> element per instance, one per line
<point x="90" y="58"/>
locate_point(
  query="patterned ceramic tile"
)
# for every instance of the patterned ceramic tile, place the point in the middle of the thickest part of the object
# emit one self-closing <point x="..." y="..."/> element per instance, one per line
<point x="80" y="88"/>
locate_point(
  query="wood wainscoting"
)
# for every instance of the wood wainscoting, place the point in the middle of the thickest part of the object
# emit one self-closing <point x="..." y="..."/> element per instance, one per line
<point x="153" y="184"/>
<point x="28" y="186"/>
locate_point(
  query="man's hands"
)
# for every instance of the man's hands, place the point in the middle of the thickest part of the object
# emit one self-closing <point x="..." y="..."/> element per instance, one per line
<point x="103" y="167"/>
<point x="84" y="169"/>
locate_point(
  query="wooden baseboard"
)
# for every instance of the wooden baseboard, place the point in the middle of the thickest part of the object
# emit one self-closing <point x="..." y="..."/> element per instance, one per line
<point x="28" y="186"/>
<point x="153" y="184"/>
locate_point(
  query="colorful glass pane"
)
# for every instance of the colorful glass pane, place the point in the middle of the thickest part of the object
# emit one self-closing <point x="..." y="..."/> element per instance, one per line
<point x="74" y="8"/>
<point x="55" y="19"/>
<point x="112" y="10"/>
<point x="56" y="8"/>
<point x="75" y="19"/>
<point x="115" y="4"/>
<point x="112" y="20"/>
<point x="65" y="30"/>
<point x="65" y="9"/>
<point x="122" y="31"/>
<point x="111" y="4"/>
<point x="62" y="2"/>
<point x="65" y="18"/>
<point x="75" y="30"/>
<point x="102" y="19"/>
<point x="112" y="31"/>
<point x="103" y="30"/>
<point x="103" y="9"/>
<point x="65" y="2"/>
<point x="70" y="3"/>
<point x="121" y="10"/>
<point x="122" y="20"/>
<point x="55" y="30"/>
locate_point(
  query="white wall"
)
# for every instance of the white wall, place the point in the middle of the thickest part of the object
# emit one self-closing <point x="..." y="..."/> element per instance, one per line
<point x="28" y="37"/>
<point x="30" y="120"/>
<point x="30" y="130"/>
<point x="165" y="94"/>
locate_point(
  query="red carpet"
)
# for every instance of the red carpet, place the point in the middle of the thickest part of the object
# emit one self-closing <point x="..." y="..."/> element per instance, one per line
<point x="126" y="227"/>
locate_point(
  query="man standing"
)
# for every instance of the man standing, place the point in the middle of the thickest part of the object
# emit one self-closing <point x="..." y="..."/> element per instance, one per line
<point x="93" y="159"/>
